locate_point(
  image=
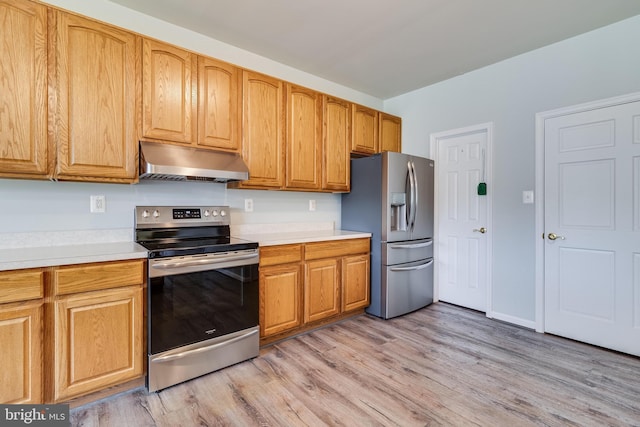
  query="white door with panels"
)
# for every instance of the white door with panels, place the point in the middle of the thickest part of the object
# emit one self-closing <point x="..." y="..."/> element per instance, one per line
<point x="463" y="231"/>
<point x="592" y="226"/>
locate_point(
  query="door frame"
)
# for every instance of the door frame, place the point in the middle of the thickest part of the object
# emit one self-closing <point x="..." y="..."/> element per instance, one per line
<point x="434" y="143"/>
<point x="539" y="188"/>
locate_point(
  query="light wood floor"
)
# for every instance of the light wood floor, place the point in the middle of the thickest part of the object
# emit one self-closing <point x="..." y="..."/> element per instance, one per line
<point x="442" y="365"/>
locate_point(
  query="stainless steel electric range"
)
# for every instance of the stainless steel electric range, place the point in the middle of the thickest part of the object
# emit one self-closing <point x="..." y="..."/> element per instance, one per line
<point x="202" y="292"/>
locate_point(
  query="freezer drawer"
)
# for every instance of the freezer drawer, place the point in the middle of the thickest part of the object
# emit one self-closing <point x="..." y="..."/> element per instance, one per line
<point x="403" y="252"/>
<point x="407" y="287"/>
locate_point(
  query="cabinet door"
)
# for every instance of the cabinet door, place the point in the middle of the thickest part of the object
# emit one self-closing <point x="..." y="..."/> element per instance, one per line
<point x="304" y="138"/>
<point x="280" y="298"/>
<point x="390" y="130"/>
<point x="96" y="103"/>
<point x="336" y="145"/>
<point x="21" y="355"/>
<point x="168" y="103"/>
<point x="98" y="340"/>
<point x="321" y="295"/>
<point x="23" y="89"/>
<point x="262" y="131"/>
<point x="218" y="105"/>
<point x="355" y="282"/>
<point x="365" y="130"/>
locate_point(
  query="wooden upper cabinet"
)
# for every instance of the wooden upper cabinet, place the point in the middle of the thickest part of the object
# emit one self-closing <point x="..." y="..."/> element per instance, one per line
<point x="23" y="89"/>
<point x="95" y="81"/>
<point x="364" y="130"/>
<point x="336" y="144"/>
<point x="390" y="132"/>
<point x="263" y="130"/>
<point x="219" y="105"/>
<point x="304" y="138"/>
<point x="168" y="98"/>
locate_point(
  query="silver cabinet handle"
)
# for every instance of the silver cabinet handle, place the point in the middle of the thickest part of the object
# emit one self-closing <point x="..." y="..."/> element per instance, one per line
<point x="170" y="357"/>
<point x="554" y="236"/>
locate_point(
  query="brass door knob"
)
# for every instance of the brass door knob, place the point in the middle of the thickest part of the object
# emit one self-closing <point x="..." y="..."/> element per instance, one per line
<point x="480" y="230"/>
<point x="554" y="236"/>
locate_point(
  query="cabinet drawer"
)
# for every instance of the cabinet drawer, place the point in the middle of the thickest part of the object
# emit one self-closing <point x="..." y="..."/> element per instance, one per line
<point x="92" y="277"/>
<point x="280" y="254"/>
<point x="21" y="285"/>
<point x="336" y="248"/>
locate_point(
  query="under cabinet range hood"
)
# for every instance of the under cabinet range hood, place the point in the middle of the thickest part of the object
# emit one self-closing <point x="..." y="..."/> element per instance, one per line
<point x="173" y="163"/>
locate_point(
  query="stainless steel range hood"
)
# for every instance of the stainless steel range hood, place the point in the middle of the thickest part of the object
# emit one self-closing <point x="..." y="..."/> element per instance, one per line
<point x="174" y="163"/>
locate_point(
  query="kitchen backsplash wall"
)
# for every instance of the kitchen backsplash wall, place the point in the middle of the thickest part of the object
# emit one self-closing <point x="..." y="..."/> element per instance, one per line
<point x="32" y="206"/>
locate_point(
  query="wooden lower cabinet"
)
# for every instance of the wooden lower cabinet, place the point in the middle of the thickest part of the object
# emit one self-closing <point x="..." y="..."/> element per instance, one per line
<point x="280" y="298"/>
<point x="98" y="340"/>
<point x="355" y="282"/>
<point x="96" y="327"/>
<point x="321" y="289"/>
<point x="21" y="313"/>
<point x="21" y="355"/>
<point x="335" y="285"/>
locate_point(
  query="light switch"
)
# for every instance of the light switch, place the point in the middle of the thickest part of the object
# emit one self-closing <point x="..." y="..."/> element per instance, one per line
<point x="527" y="196"/>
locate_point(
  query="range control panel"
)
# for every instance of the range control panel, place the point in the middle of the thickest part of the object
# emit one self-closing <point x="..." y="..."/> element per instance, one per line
<point x="166" y="216"/>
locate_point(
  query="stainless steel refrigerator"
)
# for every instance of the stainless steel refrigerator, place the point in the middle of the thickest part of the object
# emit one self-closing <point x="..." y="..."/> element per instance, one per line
<point x="392" y="198"/>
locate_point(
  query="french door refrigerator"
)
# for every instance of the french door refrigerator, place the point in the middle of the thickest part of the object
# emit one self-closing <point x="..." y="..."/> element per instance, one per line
<point x="392" y="198"/>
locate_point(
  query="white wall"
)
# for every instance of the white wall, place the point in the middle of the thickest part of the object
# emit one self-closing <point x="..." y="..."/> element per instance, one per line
<point x="599" y="64"/>
<point x="29" y="206"/>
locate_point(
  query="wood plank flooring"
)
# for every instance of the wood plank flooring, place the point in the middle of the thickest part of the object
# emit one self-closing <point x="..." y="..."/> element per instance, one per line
<point x="442" y="365"/>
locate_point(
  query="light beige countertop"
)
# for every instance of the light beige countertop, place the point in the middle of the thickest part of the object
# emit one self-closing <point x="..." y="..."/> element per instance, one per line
<point x="48" y="256"/>
<point x="47" y="249"/>
<point x="33" y="250"/>
<point x="284" y="234"/>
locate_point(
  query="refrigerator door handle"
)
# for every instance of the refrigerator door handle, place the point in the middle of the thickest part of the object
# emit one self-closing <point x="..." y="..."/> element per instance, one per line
<point x="417" y="267"/>
<point x="413" y="193"/>
<point x="411" y="245"/>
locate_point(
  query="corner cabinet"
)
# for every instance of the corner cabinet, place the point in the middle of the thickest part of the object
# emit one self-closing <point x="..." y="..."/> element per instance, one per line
<point x="304" y="286"/>
<point x="21" y="313"/>
<point x="390" y="132"/>
<point x="24" y="149"/>
<point x="97" y="327"/>
<point x="95" y="103"/>
<point x="364" y="139"/>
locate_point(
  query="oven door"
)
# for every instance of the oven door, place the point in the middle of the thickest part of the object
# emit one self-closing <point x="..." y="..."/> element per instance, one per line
<point x="198" y="298"/>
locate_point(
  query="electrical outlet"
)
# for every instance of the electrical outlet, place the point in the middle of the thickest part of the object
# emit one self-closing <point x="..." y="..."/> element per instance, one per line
<point x="98" y="204"/>
<point x="248" y="205"/>
<point x="312" y="205"/>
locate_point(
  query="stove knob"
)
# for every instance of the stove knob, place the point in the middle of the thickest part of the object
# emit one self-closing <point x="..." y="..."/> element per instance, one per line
<point x="145" y="214"/>
<point x="223" y="213"/>
<point x="206" y="212"/>
<point x="215" y="213"/>
<point x="156" y="213"/>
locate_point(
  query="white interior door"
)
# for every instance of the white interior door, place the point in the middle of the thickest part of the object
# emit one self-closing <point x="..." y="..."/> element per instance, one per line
<point x="463" y="230"/>
<point x="592" y="226"/>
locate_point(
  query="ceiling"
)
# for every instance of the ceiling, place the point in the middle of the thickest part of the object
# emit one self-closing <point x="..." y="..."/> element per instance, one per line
<point x="388" y="47"/>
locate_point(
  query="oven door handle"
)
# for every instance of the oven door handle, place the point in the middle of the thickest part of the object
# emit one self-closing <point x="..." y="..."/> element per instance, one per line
<point x="207" y="261"/>
<point x="170" y="357"/>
